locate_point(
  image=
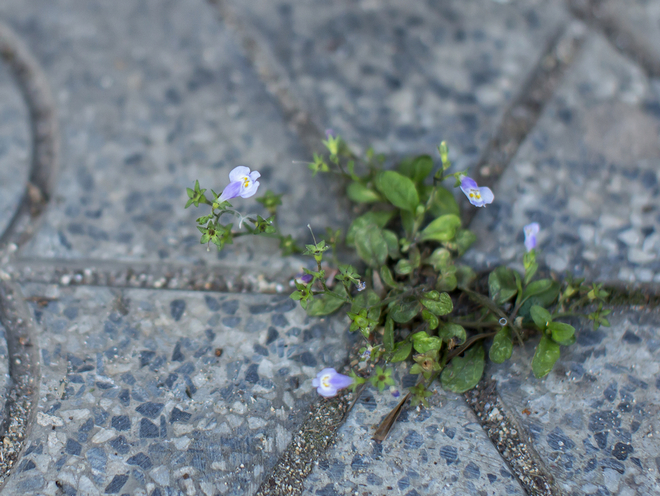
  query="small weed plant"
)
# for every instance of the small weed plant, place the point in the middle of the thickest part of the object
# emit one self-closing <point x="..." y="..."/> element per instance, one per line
<point x="403" y="298"/>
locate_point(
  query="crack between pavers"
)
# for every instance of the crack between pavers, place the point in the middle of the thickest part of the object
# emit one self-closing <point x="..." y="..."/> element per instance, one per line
<point x="32" y="82"/>
<point x="617" y="33"/>
<point x="22" y="399"/>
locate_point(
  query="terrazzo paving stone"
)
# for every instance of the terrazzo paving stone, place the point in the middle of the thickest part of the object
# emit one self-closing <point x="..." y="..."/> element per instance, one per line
<point x="588" y="174"/>
<point x="439" y="450"/>
<point x="402" y="76"/>
<point x="14" y="148"/>
<point x="151" y="96"/>
<point x="594" y="419"/>
<point x="636" y="21"/>
<point x="154" y="392"/>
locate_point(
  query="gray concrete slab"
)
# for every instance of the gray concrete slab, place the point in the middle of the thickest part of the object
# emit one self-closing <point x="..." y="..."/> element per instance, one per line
<point x="430" y="451"/>
<point x="15" y="145"/>
<point x="594" y="418"/>
<point x="402" y="76"/>
<point x="634" y="25"/>
<point x="154" y="392"/>
<point x="151" y="96"/>
<point x="588" y="174"/>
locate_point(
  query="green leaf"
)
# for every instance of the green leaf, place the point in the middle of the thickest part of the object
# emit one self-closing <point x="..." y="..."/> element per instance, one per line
<point x="401" y="352"/>
<point x="444" y="203"/>
<point x="547" y="353"/>
<point x="387" y="277"/>
<point x="446" y="282"/>
<point x="440" y="259"/>
<point x="450" y="331"/>
<point x="408" y="222"/>
<point x="417" y="169"/>
<point x="371" y="246"/>
<point x="325" y="304"/>
<point x="502" y="285"/>
<point x="359" y="193"/>
<point x="404" y="311"/>
<point x="502" y="346"/>
<point x="562" y="333"/>
<point x="424" y="343"/>
<point x="465" y="276"/>
<point x="441" y="307"/>
<point x="536" y="287"/>
<point x="403" y="267"/>
<point x="388" y="335"/>
<point x="431" y="319"/>
<point x="441" y="229"/>
<point x="367" y="299"/>
<point x="398" y="189"/>
<point x="392" y="244"/>
<point x="379" y="219"/>
<point x="464" y="239"/>
<point x="544" y="299"/>
<point x="463" y="373"/>
<point x="540" y="316"/>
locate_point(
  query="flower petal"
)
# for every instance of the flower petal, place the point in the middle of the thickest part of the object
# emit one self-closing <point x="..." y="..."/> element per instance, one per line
<point x="530" y="242"/>
<point x="238" y="173"/>
<point x="250" y="190"/>
<point x="468" y="183"/>
<point x="341" y="381"/>
<point x="232" y="190"/>
<point x="532" y="229"/>
<point x="486" y="195"/>
<point x="326" y="392"/>
<point x="254" y="175"/>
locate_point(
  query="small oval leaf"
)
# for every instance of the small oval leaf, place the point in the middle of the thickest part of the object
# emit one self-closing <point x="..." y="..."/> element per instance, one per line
<point x="463" y="373"/>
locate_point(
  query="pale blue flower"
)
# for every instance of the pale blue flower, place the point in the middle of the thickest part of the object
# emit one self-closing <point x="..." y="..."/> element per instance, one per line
<point x="329" y="381"/>
<point x="479" y="197"/>
<point x="394" y="392"/>
<point x="242" y="183"/>
<point x="361" y="286"/>
<point x="531" y="230"/>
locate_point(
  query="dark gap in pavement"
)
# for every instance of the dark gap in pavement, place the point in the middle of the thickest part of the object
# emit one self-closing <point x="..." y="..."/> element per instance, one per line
<point x="20" y="406"/>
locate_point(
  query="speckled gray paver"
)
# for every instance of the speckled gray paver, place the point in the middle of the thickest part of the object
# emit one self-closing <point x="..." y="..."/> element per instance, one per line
<point x="14" y="147"/>
<point x="150" y="392"/>
<point x="402" y="76"/>
<point x="637" y="20"/>
<point x="152" y="95"/>
<point x="588" y="174"/>
<point x="595" y="418"/>
<point x="441" y="450"/>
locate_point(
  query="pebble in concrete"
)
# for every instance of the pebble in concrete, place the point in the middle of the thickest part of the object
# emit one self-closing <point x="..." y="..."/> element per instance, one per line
<point x="588" y="174"/>
<point x="14" y="148"/>
<point x="146" y="392"/>
<point x="152" y="96"/>
<point x="594" y="418"/>
<point x="437" y="450"/>
<point x="402" y="76"/>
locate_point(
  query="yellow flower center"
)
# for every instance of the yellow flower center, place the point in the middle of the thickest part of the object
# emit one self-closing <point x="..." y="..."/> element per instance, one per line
<point x="246" y="181"/>
<point x="475" y="194"/>
<point x="325" y="380"/>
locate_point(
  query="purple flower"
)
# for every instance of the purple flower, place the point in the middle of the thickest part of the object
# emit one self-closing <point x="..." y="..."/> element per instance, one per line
<point x="361" y="286"/>
<point x="329" y="381"/>
<point x="478" y="197"/>
<point x="242" y="183"/>
<point x="329" y="133"/>
<point x="394" y="392"/>
<point x="304" y="278"/>
<point x="531" y="230"/>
